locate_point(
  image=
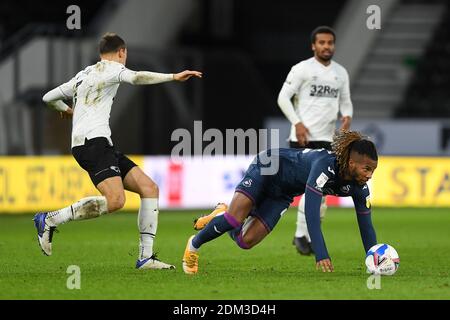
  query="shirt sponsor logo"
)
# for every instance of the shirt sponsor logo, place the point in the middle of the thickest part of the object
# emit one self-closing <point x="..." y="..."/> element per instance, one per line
<point x="321" y="91"/>
<point x="321" y="180"/>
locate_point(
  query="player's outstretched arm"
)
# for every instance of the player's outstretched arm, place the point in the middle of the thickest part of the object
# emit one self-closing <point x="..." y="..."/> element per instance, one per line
<point x="147" y="77"/>
<point x="186" y="75"/>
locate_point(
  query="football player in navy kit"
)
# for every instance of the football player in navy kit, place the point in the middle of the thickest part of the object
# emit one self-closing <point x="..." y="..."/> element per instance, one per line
<point x="260" y="200"/>
<point x="316" y="90"/>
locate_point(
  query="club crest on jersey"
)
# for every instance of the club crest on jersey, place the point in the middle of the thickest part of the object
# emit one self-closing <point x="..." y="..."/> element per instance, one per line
<point x="247" y="183"/>
<point x="345" y="189"/>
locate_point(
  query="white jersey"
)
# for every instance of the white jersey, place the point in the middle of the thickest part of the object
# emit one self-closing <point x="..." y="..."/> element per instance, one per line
<point x="92" y="91"/>
<point x="319" y="93"/>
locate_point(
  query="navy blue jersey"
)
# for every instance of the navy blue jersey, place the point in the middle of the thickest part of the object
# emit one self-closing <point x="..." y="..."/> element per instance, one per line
<point x="314" y="173"/>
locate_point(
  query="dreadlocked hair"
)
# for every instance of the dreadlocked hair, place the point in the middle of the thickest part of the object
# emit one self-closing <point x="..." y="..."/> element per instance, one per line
<point x="344" y="142"/>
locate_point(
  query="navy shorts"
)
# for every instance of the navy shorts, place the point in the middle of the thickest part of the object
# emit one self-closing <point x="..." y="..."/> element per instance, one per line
<point x="269" y="204"/>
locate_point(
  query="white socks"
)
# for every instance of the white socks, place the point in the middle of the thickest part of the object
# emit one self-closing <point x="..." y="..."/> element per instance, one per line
<point x="192" y="248"/>
<point x="147" y="224"/>
<point x="86" y="208"/>
<point x="92" y="207"/>
<point x="302" y="229"/>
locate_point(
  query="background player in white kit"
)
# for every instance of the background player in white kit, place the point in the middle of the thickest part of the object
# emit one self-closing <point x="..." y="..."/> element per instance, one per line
<point x="316" y="90"/>
<point x="92" y="91"/>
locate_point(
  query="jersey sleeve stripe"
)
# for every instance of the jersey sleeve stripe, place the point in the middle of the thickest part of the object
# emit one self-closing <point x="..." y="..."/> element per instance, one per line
<point x="314" y="190"/>
<point x="363" y="212"/>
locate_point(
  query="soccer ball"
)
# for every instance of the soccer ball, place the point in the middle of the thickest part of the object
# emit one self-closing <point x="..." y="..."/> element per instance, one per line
<point x="382" y="259"/>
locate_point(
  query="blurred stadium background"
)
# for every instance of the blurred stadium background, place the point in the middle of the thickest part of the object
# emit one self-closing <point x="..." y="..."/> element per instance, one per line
<point x="400" y="78"/>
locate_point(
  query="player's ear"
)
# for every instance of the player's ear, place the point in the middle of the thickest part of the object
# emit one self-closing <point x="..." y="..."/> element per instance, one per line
<point x="351" y="163"/>
<point x="122" y="52"/>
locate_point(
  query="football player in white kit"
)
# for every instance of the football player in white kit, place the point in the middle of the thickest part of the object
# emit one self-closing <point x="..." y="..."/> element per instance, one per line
<point x="92" y="91"/>
<point x="316" y="90"/>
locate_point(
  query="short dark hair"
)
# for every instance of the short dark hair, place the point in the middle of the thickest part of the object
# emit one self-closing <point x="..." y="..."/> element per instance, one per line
<point x="322" y="29"/>
<point x="110" y="42"/>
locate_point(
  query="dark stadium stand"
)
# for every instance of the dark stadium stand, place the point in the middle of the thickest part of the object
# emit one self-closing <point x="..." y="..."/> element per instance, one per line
<point x="252" y="60"/>
<point x="15" y="19"/>
<point x="428" y="95"/>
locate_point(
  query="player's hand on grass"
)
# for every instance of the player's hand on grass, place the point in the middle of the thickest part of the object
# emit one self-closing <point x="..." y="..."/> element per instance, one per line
<point x="301" y="133"/>
<point x="325" y="265"/>
<point x="346" y="122"/>
<point x="66" y="114"/>
<point x="186" y="74"/>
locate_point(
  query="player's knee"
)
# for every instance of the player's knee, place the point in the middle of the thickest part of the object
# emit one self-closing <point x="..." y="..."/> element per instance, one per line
<point x="116" y="201"/>
<point x="250" y="244"/>
<point x="246" y="241"/>
<point x="149" y="190"/>
<point x="242" y="244"/>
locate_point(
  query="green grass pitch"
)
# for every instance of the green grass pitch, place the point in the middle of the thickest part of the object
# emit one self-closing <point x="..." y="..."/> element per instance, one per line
<point x="105" y="250"/>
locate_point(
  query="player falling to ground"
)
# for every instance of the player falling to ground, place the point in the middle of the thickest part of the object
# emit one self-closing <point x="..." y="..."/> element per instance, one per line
<point x="260" y="200"/>
<point x="93" y="91"/>
<point x="314" y="92"/>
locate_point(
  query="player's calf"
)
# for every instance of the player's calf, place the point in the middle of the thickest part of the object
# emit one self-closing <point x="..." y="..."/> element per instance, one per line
<point x="46" y="222"/>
